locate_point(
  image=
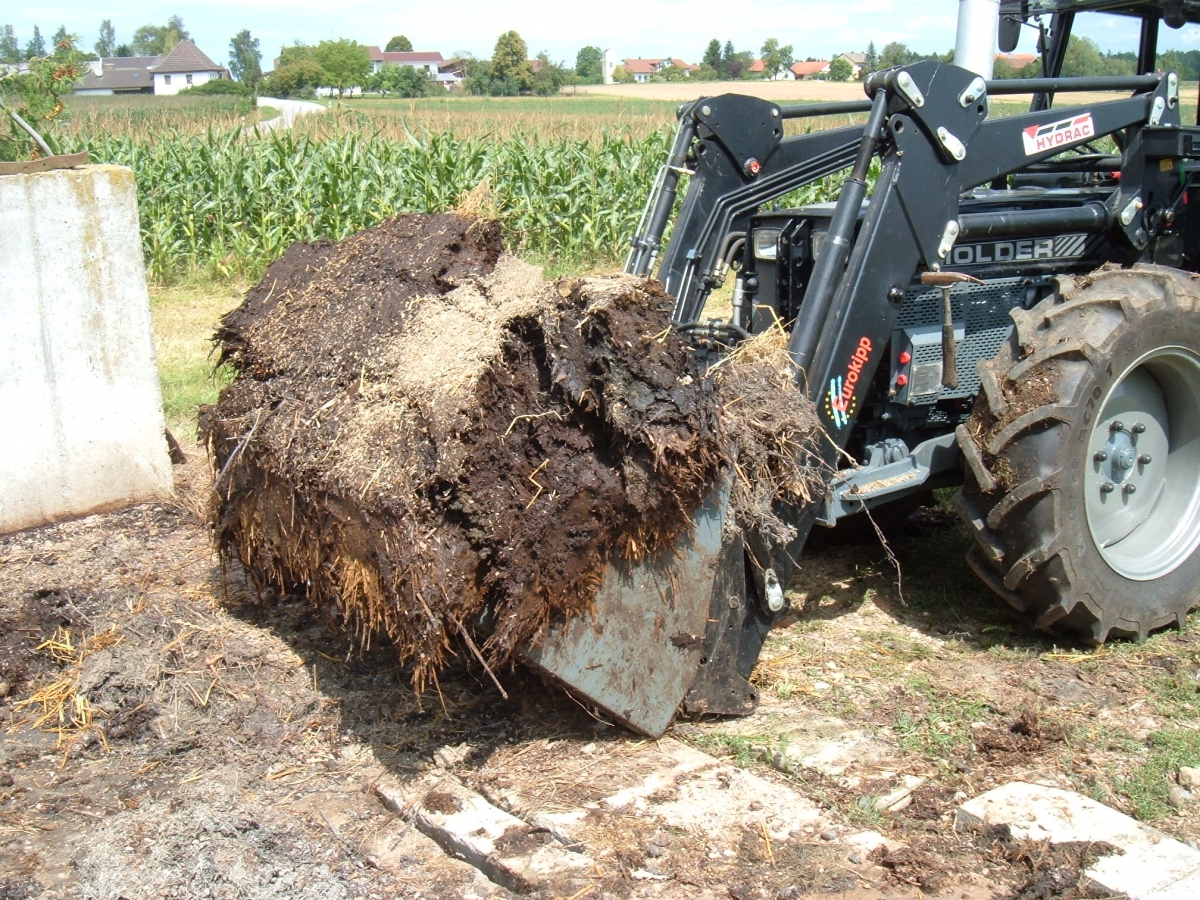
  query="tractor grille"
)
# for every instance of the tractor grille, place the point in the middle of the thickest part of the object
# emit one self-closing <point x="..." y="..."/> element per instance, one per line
<point x="982" y="309"/>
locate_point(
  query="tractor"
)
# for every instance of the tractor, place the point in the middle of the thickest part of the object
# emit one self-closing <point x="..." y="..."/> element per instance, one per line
<point x="1003" y="303"/>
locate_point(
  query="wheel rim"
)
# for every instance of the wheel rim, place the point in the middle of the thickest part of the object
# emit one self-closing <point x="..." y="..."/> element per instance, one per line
<point x="1142" y="478"/>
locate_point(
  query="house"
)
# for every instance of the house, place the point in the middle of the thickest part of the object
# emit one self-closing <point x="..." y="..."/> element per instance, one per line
<point x="642" y="69"/>
<point x="430" y="62"/>
<point x="451" y="72"/>
<point x="184" y="67"/>
<point x="810" y="68"/>
<point x="758" y="69"/>
<point x="1018" y="61"/>
<point x="856" y="60"/>
<point x="118" y="75"/>
<point x="445" y="72"/>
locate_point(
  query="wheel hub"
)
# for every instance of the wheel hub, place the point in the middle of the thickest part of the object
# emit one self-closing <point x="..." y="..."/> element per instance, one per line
<point x="1142" y="493"/>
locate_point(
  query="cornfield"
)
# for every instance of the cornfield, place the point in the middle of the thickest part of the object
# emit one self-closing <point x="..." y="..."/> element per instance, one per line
<point x="230" y="203"/>
<point x="147" y="117"/>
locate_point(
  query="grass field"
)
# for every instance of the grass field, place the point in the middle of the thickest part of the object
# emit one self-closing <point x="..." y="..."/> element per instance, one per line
<point x="184" y="317"/>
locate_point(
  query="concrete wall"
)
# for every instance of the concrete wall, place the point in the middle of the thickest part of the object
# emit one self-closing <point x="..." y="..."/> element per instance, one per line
<point x="81" y="424"/>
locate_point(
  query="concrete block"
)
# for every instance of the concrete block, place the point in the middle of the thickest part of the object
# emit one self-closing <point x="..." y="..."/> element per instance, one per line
<point x="80" y="405"/>
<point x="520" y="857"/>
<point x="1152" y="866"/>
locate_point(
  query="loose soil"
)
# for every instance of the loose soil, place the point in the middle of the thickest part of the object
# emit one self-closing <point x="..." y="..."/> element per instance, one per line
<point x="212" y="744"/>
<point x="430" y="439"/>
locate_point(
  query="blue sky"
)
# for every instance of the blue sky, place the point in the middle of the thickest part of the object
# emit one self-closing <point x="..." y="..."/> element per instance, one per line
<point x="646" y="28"/>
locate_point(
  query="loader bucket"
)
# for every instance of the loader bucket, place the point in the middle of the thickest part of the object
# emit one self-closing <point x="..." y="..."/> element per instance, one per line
<point x="678" y="629"/>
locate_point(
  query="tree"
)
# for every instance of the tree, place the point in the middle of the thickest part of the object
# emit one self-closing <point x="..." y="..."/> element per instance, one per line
<point x="245" y="59"/>
<point x="10" y="50"/>
<point x="510" y="62"/>
<point x="294" y="53"/>
<point x="895" y="54"/>
<point x="1084" y="59"/>
<point x="840" y="69"/>
<point x="871" y="63"/>
<point x="399" y="44"/>
<point x="346" y="62"/>
<point x="107" y="45"/>
<point x="406" y="81"/>
<point x="59" y="36"/>
<point x="36" y="47"/>
<point x="123" y="50"/>
<point x="735" y="64"/>
<point x="712" y="55"/>
<point x="549" y="77"/>
<point x="34" y="95"/>
<point x="621" y="75"/>
<point x="159" y="40"/>
<point x="775" y="58"/>
<point x="589" y="65"/>
<point x="294" y="77"/>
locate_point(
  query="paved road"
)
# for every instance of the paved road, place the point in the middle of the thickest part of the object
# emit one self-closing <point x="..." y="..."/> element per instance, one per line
<point x="289" y="111"/>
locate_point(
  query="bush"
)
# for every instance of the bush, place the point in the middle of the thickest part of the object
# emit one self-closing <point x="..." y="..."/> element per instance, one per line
<point x="220" y="86"/>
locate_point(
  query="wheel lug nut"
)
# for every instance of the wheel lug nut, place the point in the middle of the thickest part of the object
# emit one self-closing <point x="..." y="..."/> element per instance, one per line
<point x="1139" y="428"/>
<point x="1118" y="425"/>
<point x="1100" y="456"/>
<point x="1107" y="488"/>
<point x="1144" y="459"/>
<point x="1131" y="488"/>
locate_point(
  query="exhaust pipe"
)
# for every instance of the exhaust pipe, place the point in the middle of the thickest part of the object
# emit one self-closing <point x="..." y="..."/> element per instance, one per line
<point x="975" y="43"/>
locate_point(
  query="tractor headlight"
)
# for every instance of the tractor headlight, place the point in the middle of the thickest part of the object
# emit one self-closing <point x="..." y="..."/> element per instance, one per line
<point x="766" y="243"/>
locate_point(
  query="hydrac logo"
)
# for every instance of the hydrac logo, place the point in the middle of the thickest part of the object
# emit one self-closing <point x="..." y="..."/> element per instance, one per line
<point x="1040" y="138"/>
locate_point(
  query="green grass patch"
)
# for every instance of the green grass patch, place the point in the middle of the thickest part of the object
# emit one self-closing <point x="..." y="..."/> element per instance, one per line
<point x="1146" y="787"/>
<point x="184" y="319"/>
<point x="936" y="723"/>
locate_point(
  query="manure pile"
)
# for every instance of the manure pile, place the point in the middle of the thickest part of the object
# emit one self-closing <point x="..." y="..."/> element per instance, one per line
<point x="430" y="440"/>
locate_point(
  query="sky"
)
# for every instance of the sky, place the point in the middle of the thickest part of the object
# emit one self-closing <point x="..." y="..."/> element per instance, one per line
<point x="630" y="28"/>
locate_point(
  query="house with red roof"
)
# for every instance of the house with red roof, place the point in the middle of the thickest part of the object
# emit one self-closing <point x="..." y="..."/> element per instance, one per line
<point x="642" y="69"/>
<point x="439" y="68"/>
<point x="809" y="68"/>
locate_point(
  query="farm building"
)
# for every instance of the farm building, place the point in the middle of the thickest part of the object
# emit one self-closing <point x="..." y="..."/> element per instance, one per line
<point x="809" y="68"/>
<point x="856" y="60"/>
<point x="185" y="66"/>
<point x="642" y="69"/>
<point x="444" y="72"/>
<point x="759" y="70"/>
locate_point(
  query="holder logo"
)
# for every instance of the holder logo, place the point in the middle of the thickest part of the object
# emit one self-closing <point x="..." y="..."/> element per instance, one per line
<point x="1040" y="138"/>
<point x="841" y="401"/>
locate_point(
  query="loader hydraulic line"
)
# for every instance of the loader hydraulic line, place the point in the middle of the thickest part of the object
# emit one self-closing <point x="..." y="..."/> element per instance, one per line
<point x="829" y="267"/>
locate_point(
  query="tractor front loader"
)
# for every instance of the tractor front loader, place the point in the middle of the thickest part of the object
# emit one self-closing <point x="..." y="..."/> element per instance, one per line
<point x="1002" y="303"/>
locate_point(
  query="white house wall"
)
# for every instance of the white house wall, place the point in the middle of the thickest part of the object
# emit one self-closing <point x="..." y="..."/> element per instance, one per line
<point x="179" y="81"/>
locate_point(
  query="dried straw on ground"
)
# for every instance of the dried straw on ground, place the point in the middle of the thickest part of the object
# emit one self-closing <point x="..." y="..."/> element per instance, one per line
<point x="430" y="440"/>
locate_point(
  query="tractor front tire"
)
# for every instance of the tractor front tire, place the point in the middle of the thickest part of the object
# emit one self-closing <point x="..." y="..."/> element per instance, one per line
<point x="1082" y="485"/>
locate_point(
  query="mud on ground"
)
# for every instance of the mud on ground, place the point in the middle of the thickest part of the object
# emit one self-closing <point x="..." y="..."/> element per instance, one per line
<point x="201" y="743"/>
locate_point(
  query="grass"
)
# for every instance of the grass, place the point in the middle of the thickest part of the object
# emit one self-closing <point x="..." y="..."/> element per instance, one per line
<point x="184" y="319"/>
<point x="937" y="723"/>
<point x="1147" y="785"/>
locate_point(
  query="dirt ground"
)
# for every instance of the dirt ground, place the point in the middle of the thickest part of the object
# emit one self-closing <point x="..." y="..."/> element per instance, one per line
<point x="165" y="734"/>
